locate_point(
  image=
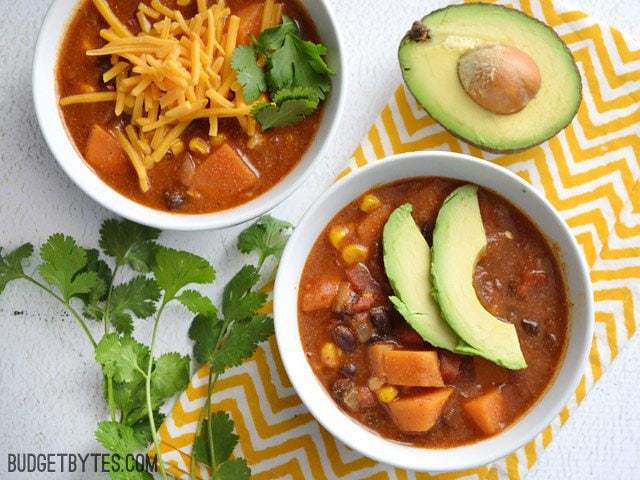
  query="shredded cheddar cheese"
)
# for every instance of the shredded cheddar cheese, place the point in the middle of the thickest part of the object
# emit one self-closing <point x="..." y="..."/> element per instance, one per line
<point x="170" y="73"/>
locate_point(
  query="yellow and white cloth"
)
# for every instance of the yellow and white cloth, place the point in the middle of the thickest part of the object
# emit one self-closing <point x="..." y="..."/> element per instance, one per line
<point x="590" y="172"/>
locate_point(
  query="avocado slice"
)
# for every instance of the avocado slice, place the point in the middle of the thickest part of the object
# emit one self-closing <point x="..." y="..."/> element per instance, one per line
<point x="407" y="262"/>
<point x="429" y="56"/>
<point x="458" y="241"/>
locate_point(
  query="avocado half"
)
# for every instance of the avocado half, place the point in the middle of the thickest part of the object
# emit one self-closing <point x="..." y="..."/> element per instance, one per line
<point x="458" y="241"/>
<point x="407" y="263"/>
<point x="429" y="63"/>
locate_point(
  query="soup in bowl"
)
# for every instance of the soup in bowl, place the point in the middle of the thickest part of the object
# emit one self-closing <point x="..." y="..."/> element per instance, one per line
<point x="187" y="114"/>
<point x="429" y="321"/>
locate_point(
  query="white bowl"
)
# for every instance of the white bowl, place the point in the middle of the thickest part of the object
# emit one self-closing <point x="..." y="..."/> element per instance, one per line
<point x="318" y="400"/>
<point x="45" y="97"/>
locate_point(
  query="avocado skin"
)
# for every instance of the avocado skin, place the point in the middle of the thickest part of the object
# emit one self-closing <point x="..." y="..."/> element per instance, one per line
<point x="504" y="347"/>
<point x="487" y="147"/>
<point x="407" y="264"/>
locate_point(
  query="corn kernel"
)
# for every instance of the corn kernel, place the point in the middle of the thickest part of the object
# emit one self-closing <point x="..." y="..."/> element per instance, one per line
<point x="337" y="233"/>
<point x="219" y="139"/>
<point x="331" y="355"/>
<point x="177" y="147"/>
<point x="387" y="394"/>
<point x="369" y="202"/>
<point x="200" y="146"/>
<point x="354" y="253"/>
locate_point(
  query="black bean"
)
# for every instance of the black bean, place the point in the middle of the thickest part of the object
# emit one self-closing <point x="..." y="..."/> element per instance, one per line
<point x="530" y="326"/>
<point x="103" y="63"/>
<point x="174" y="198"/>
<point x="349" y="370"/>
<point x="344" y="338"/>
<point x="381" y="319"/>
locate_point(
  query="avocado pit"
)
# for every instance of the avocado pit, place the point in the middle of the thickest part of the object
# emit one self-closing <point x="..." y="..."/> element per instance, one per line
<point x="499" y="78"/>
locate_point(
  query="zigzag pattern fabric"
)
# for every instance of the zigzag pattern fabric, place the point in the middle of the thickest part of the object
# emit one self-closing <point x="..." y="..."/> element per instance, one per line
<point x="591" y="174"/>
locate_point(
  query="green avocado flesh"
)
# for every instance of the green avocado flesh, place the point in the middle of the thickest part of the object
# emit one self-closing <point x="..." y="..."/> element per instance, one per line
<point x="407" y="263"/>
<point x="429" y="68"/>
<point x="458" y="241"/>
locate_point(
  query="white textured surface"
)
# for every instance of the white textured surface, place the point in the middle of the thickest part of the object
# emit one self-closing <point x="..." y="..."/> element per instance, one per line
<point x="48" y="378"/>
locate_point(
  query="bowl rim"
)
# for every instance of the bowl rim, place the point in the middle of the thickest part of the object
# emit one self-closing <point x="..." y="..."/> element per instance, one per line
<point x="358" y="436"/>
<point x="69" y="158"/>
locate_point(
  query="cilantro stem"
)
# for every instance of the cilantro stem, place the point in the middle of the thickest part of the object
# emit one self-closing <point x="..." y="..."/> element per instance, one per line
<point x="213" y="378"/>
<point x="152" y="423"/>
<point x="68" y="306"/>
<point x="212" y="449"/>
<point x="110" y="400"/>
<point x="107" y="306"/>
<point x="105" y="319"/>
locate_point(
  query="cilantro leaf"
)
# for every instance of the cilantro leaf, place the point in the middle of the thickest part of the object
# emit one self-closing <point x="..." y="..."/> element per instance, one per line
<point x="123" y="440"/>
<point x="267" y="237"/>
<point x="129" y="243"/>
<point x="314" y="53"/>
<point x="92" y="300"/>
<point x="224" y="440"/>
<point x="242" y="342"/>
<point x="296" y="64"/>
<point x="63" y="261"/>
<point x="96" y="264"/>
<point x="295" y="93"/>
<point x="137" y="296"/>
<point x="248" y="73"/>
<point x="142" y="428"/>
<point x="271" y="115"/>
<point x="121" y="357"/>
<point x="235" y="469"/>
<point x="204" y="331"/>
<point x="197" y="303"/>
<point x="119" y="438"/>
<point x="175" y="269"/>
<point x="129" y="397"/>
<point x="238" y="299"/>
<point x="272" y="38"/>
<point x="170" y="375"/>
<point x="11" y="264"/>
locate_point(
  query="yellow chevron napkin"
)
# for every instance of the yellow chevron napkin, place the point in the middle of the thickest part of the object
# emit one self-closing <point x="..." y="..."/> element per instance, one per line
<point x="590" y="172"/>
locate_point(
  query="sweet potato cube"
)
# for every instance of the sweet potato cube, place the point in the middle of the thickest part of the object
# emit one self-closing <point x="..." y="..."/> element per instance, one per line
<point x="375" y="353"/>
<point x="104" y="153"/>
<point x="488" y="411"/>
<point x="250" y="20"/>
<point x="370" y="229"/>
<point x="412" y="368"/>
<point x="418" y="413"/>
<point x="223" y="174"/>
<point x="320" y="294"/>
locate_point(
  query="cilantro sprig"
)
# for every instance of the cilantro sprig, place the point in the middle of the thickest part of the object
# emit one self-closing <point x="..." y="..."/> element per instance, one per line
<point x="136" y="382"/>
<point x="226" y="339"/>
<point x="292" y="70"/>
